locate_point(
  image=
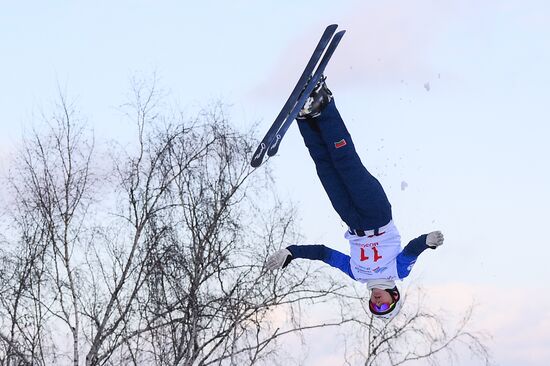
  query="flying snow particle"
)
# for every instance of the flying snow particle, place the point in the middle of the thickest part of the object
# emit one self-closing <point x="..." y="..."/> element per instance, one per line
<point x="427" y="86"/>
<point x="404" y="185"/>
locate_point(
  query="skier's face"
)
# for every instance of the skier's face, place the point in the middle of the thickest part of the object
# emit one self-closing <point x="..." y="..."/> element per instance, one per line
<point x="379" y="297"/>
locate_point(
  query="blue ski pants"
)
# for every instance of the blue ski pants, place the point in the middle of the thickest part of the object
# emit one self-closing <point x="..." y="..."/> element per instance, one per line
<point x="355" y="194"/>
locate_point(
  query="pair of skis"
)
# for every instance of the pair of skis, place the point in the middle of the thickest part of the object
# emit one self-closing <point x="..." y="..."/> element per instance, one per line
<point x="305" y="85"/>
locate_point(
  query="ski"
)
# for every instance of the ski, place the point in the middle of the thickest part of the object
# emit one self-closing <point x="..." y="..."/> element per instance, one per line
<point x="274" y="146"/>
<point x="290" y="104"/>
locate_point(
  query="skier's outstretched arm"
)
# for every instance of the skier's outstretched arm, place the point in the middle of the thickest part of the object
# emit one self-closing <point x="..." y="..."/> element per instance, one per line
<point x="408" y="256"/>
<point x="334" y="258"/>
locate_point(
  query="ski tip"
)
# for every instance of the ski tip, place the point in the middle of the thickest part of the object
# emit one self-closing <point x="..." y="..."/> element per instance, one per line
<point x="341" y="32"/>
<point x="331" y="29"/>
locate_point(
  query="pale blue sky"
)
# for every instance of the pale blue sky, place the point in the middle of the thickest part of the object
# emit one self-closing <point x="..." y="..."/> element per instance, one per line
<point x="473" y="149"/>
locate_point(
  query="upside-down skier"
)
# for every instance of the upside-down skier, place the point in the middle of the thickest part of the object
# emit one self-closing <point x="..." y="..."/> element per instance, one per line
<point x="376" y="257"/>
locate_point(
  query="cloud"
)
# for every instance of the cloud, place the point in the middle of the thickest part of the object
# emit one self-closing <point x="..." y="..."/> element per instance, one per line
<point x="385" y="42"/>
<point x="517" y="321"/>
<point x="517" y="318"/>
<point x="416" y="42"/>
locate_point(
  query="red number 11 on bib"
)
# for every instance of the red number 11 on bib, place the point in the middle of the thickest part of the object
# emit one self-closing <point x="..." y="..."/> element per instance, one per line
<point x="376" y="255"/>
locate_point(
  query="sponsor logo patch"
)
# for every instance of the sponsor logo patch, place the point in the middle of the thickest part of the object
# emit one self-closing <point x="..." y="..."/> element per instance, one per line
<point x="340" y="143"/>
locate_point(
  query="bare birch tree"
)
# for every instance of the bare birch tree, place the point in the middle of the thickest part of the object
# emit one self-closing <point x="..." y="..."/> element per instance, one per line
<point x="156" y="259"/>
<point x="50" y="187"/>
<point x="153" y="253"/>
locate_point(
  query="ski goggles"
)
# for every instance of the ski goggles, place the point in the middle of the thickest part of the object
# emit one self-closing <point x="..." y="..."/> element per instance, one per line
<point x="382" y="309"/>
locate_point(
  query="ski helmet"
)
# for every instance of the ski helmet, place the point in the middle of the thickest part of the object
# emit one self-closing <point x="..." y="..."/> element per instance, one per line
<point x="387" y="311"/>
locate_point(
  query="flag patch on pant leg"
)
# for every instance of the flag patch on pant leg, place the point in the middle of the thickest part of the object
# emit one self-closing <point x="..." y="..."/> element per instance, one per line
<point x="340" y="143"/>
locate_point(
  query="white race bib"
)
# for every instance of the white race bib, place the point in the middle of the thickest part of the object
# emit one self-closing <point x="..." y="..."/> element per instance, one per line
<point x="373" y="256"/>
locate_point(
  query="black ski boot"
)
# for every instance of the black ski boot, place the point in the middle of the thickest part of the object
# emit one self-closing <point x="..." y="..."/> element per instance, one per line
<point x="317" y="100"/>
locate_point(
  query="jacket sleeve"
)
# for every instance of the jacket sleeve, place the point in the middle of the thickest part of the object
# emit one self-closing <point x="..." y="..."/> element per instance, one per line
<point x="408" y="256"/>
<point x="319" y="252"/>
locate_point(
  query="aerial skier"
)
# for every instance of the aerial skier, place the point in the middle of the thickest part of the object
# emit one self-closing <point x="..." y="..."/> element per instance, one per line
<point x="376" y="257"/>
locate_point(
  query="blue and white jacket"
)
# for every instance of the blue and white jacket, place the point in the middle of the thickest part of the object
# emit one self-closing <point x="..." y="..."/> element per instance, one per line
<point x="372" y="256"/>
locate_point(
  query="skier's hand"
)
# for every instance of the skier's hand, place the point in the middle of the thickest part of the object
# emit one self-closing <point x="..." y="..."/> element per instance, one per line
<point x="434" y="239"/>
<point x="279" y="259"/>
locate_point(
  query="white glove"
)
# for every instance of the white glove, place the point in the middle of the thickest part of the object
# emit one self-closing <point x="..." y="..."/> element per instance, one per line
<point x="434" y="239"/>
<point x="277" y="259"/>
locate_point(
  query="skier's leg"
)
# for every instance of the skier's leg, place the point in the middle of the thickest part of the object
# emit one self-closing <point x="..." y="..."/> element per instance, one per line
<point x="366" y="192"/>
<point x="330" y="179"/>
